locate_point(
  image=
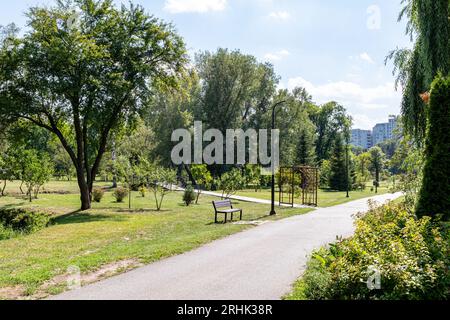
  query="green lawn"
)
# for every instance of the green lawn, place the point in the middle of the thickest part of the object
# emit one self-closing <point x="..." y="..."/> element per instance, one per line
<point x="326" y="198"/>
<point x="106" y="234"/>
<point x="54" y="186"/>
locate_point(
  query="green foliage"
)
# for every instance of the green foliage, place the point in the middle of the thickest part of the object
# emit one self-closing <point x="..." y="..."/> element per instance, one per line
<point x="429" y="26"/>
<point x="120" y="194"/>
<point x="189" y="195"/>
<point x="37" y="170"/>
<point x="202" y="177"/>
<point x="325" y="174"/>
<point x="338" y="166"/>
<point x="143" y="191"/>
<point x="434" y="197"/>
<point x="23" y="221"/>
<point x="412" y="257"/>
<point x="6" y="172"/>
<point x="160" y="182"/>
<point x="377" y="163"/>
<point x="230" y="182"/>
<point x="97" y="194"/>
<point x="252" y="174"/>
<point x="330" y="119"/>
<point x="94" y="75"/>
<point x="235" y="89"/>
<point x="7" y="233"/>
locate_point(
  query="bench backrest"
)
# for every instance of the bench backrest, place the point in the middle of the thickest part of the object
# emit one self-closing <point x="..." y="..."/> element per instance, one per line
<point x="222" y="204"/>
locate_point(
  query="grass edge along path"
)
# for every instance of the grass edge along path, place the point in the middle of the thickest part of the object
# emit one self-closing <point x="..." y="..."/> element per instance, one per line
<point x="109" y="239"/>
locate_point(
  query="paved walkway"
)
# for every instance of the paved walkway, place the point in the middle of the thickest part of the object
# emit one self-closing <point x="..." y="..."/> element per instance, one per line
<point x="253" y="200"/>
<point x="261" y="263"/>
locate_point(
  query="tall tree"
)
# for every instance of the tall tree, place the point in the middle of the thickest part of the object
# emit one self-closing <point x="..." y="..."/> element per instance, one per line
<point x="80" y="78"/>
<point x="329" y="119"/>
<point x="428" y="25"/>
<point x="236" y="89"/>
<point x="377" y="160"/>
<point x="434" y="196"/>
<point x="338" y="165"/>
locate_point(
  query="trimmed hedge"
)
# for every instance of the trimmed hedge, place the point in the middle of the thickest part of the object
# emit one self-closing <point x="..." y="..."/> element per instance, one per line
<point x="434" y="196"/>
<point x="24" y="221"/>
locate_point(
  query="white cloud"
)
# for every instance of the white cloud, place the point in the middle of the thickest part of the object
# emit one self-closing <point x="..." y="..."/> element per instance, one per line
<point x="277" y="56"/>
<point x="367" y="105"/>
<point x="366" y="57"/>
<point x="280" y="15"/>
<point x="344" y="90"/>
<point x="194" y="6"/>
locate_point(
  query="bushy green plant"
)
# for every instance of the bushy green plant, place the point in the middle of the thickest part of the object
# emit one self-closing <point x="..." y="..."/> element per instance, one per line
<point x="230" y="183"/>
<point x="189" y="195"/>
<point x="434" y="196"/>
<point x="202" y="177"/>
<point x="6" y="233"/>
<point x="411" y="255"/>
<point x="97" y="194"/>
<point x="143" y="191"/>
<point x="23" y="220"/>
<point x="120" y="194"/>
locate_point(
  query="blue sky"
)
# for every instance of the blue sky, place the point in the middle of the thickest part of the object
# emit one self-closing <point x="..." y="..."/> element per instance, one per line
<point x="335" y="49"/>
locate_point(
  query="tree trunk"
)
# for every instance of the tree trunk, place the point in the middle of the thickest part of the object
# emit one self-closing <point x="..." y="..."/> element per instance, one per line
<point x="85" y="196"/>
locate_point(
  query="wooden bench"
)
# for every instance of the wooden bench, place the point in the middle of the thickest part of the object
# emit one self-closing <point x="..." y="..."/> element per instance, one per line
<point x="219" y="208"/>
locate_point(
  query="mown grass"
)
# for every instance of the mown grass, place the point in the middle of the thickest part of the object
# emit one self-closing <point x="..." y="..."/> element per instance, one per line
<point x="110" y="232"/>
<point x="54" y="186"/>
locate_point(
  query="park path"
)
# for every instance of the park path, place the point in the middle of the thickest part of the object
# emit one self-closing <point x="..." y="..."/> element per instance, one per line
<point x="249" y="199"/>
<point x="261" y="263"/>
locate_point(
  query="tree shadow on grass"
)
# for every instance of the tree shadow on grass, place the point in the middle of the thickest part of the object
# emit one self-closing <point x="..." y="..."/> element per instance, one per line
<point x="13" y="205"/>
<point x="77" y="217"/>
<point x="141" y="211"/>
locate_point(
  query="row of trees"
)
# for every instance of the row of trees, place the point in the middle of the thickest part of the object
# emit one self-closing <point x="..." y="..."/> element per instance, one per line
<point x="103" y="96"/>
<point x="85" y="85"/>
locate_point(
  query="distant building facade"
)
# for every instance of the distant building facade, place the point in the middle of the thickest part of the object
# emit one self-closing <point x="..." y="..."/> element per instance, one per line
<point x="366" y="139"/>
<point x="362" y="138"/>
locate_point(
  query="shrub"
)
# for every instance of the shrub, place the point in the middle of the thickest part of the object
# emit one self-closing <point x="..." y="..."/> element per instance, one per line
<point x="120" y="194"/>
<point x="143" y="191"/>
<point x="411" y="255"/>
<point x="6" y="233"/>
<point x="434" y="196"/>
<point x="230" y="183"/>
<point x="23" y="220"/>
<point x="98" y="194"/>
<point x="189" y="195"/>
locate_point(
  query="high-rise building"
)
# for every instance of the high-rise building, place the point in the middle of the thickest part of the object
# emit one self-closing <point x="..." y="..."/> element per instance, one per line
<point x="384" y="131"/>
<point x="366" y="139"/>
<point x="362" y="138"/>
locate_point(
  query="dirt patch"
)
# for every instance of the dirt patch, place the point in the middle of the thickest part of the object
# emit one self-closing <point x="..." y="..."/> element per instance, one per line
<point x="12" y="293"/>
<point x="106" y="271"/>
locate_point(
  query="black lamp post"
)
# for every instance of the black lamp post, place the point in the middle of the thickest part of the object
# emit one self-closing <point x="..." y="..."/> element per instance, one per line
<point x="272" y="211"/>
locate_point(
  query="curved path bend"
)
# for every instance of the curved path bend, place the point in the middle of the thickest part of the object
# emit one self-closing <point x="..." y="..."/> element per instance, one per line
<point x="261" y="263"/>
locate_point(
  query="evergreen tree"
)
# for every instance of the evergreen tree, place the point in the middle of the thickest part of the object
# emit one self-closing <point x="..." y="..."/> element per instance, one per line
<point x="338" y="179"/>
<point x="434" y="197"/>
<point x="377" y="159"/>
<point x="306" y="148"/>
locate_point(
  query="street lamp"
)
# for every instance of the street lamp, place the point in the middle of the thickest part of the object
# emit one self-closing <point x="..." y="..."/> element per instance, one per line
<point x="272" y="211"/>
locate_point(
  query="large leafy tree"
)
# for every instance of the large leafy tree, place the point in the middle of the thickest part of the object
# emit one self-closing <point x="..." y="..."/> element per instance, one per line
<point x="428" y="25"/>
<point x="236" y="89"/>
<point x="84" y="67"/>
<point x="330" y="119"/>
